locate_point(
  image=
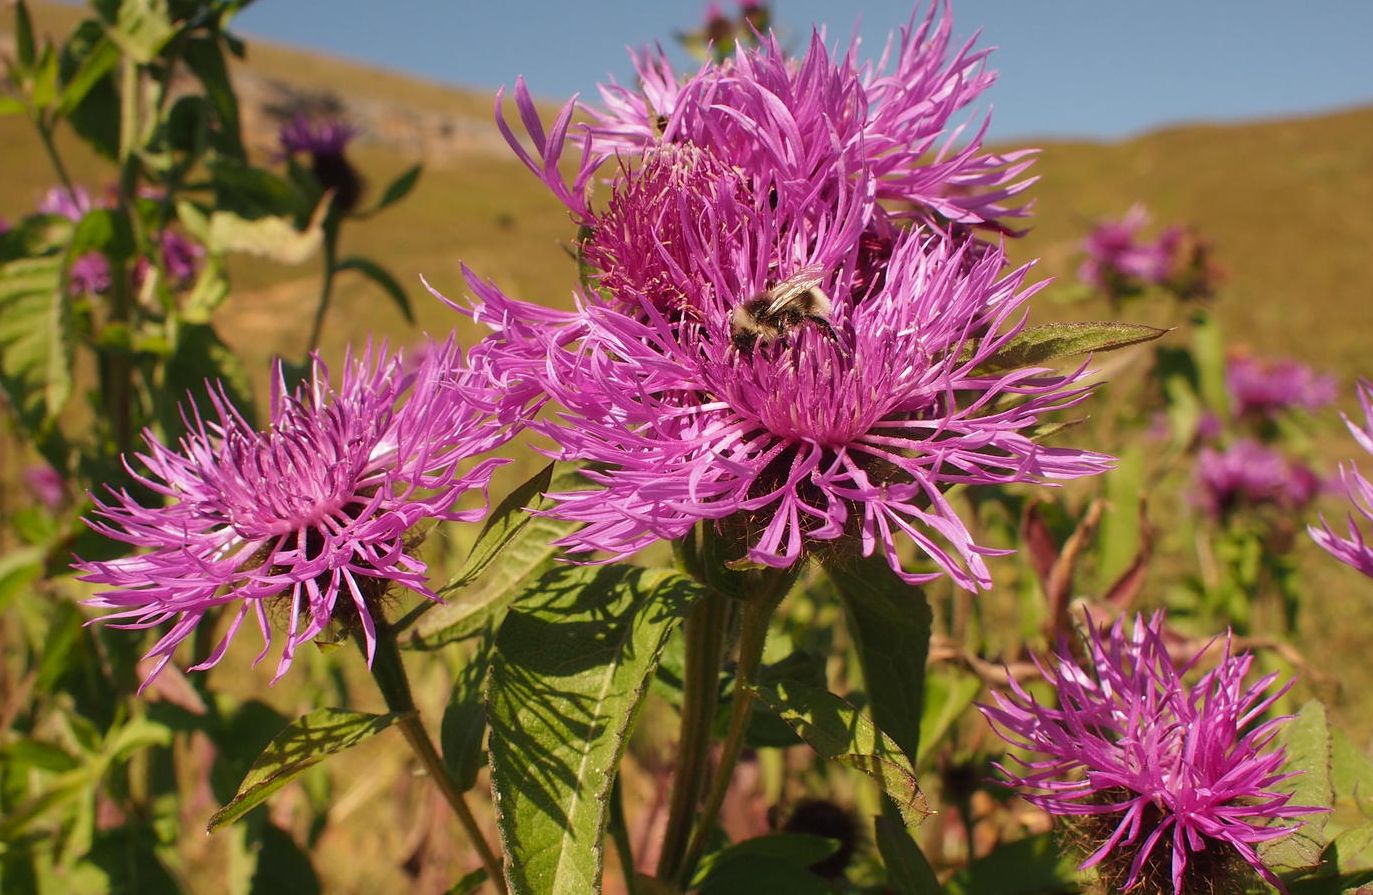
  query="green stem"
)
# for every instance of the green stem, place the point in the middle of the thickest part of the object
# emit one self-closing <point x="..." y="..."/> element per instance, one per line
<point x="326" y="290"/>
<point x="753" y="632"/>
<point x="705" y="631"/>
<point x="45" y="135"/>
<point x="389" y="672"/>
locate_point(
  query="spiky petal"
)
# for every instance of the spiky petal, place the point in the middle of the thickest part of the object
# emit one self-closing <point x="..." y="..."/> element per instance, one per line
<point x="313" y="516"/>
<point x="1355" y="550"/>
<point x="1177" y="768"/>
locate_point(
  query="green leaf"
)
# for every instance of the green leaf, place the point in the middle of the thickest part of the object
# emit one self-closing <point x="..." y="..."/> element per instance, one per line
<point x="840" y="733"/>
<point x="1351" y="851"/>
<point x="1035" y="345"/>
<point x="36" y="343"/>
<point x="572" y="664"/>
<point x="775" y="863"/>
<point x="469" y="884"/>
<point x="199" y="360"/>
<point x="38" y="754"/>
<point x="205" y="57"/>
<point x="96" y="63"/>
<point x="908" y="871"/>
<point x="18" y="569"/>
<point x="523" y="544"/>
<point x="142" y="29"/>
<point x="1119" y="542"/>
<point x="1351" y="772"/>
<point x="464" y="721"/>
<point x="25" y="47"/>
<point x="10" y="105"/>
<point x="270" y="237"/>
<point x="399" y="188"/>
<point x="382" y="277"/>
<point x="889" y="621"/>
<point x="307" y="742"/>
<point x="1035" y="865"/>
<point x="1307" y="741"/>
<point x="252" y="193"/>
<point x="948" y="695"/>
<point x="45" y="75"/>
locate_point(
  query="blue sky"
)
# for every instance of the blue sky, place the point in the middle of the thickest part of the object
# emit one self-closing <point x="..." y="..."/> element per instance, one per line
<point x="1092" y="68"/>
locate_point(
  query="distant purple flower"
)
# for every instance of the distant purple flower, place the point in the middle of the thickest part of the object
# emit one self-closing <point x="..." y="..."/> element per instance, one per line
<point x="1164" y="776"/>
<point x="309" y="521"/>
<point x="324" y="141"/>
<point x="46" y="485"/>
<point x="315" y="136"/>
<point x="71" y="204"/>
<point x="1252" y="474"/>
<point x="1355" y="550"/>
<point x="1267" y="388"/>
<point x="5" y="225"/>
<point x="1117" y="259"/>
<point x="181" y="257"/>
<point x="795" y="128"/>
<point x="89" y="275"/>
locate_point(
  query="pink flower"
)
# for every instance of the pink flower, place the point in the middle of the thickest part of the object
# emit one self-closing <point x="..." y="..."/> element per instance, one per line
<point x="1159" y="773"/>
<point x="315" y="515"/>
<point x="1354" y="550"/>
<point x="1267" y="388"/>
<point x="1118" y="261"/>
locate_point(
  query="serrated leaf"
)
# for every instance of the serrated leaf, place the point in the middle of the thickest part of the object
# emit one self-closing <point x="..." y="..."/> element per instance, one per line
<point x="399" y="188"/>
<point x="267" y="237"/>
<point x="464" y="720"/>
<point x="521" y="541"/>
<point x="382" y="277"/>
<point x="908" y="871"/>
<point x="889" y="621"/>
<point x="840" y="733"/>
<point x="571" y="668"/>
<point x="1035" y="865"/>
<point x="1307" y="741"/>
<point x="312" y="738"/>
<point x="142" y="29"/>
<point x="1035" y="345"/>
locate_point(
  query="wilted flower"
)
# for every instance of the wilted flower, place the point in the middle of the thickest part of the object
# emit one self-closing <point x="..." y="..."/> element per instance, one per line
<point x="1252" y="474"/>
<point x="1267" y="388"/>
<point x="1354" y="550"/>
<point x="1118" y="261"/>
<point x="764" y="177"/>
<point x="325" y="140"/>
<point x="1165" y="781"/>
<point x="89" y="274"/>
<point x="310" y="521"/>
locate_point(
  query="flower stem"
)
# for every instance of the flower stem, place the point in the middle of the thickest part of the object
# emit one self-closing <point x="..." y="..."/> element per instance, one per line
<point x="326" y="289"/>
<point x="753" y="632"/>
<point x="389" y="672"/>
<point x="705" y="631"/>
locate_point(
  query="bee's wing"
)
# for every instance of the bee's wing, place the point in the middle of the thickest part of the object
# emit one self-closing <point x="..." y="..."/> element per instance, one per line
<point x="793" y="287"/>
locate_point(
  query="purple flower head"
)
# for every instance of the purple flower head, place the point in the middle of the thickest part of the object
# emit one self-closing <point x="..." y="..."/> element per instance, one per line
<point x="304" y="133"/>
<point x="1355" y="550"/>
<point x="1268" y="388"/>
<point x="1118" y="260"/>
<point x="181" y="258"/>
<point x="1166" y="778"/>
<point x="1248" y="473"/>
<point x="309" y="521"/>
<point x="850" y="427"/>
<point x="795" y="130"/>
<point x="71" y="204"/>
<point x="89" y="275"/>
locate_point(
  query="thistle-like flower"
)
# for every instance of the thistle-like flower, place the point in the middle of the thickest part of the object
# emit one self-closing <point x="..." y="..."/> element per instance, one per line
<point x="310" y="521"/>
<point x="1251" y="474"/>
<point x="1166" y="782"/>
<point x="1119" y="261"/>
<point x="1267" y="389"/>
<point x="787" y="326"/>
<point x="325" y="140"/>
<point x="1354" y="550"/>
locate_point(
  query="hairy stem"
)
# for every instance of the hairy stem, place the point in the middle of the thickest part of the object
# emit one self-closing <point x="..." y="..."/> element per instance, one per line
<point x="389" y="673"/>
<point x="705" y="630"/>
<point x="753" y="632"/>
